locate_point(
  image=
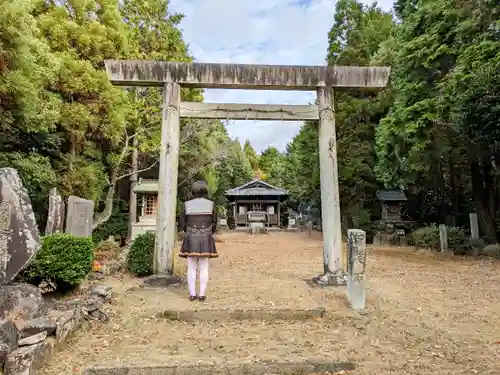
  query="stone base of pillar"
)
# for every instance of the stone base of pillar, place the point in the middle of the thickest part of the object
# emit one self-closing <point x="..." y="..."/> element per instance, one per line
<point x="163" y="280"/>
<point x="331" y="279"/>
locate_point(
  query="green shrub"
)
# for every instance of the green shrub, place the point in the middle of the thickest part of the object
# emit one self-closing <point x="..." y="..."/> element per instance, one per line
<point x="428" y="237"/>
<point x="141" y="253"/>
<point x="63" y="261"/>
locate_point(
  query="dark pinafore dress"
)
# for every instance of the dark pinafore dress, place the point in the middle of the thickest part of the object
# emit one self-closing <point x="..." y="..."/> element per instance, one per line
<point x="198" y="219"/>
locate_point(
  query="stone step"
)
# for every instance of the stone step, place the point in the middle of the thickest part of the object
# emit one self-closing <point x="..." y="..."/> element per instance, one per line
<point x="268" y="315"/>
<point x="291" y="367"/>
<point x="153" y="345"/>
<point x="242" y="314"/>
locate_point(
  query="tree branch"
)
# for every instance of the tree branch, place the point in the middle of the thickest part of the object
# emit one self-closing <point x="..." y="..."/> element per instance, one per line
<point x="140" y="170"/>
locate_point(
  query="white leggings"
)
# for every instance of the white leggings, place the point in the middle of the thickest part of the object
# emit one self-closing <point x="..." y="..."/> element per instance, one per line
<point x="202" y="263"/>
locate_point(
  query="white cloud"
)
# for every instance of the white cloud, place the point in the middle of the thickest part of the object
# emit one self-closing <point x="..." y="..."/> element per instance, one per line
<point x="287" y="32"/>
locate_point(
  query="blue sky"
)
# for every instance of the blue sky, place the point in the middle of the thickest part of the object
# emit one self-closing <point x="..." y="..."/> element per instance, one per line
<point x="286" y="32"/>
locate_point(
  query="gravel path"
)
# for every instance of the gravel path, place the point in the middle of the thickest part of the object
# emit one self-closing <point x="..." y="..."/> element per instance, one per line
<point x="425" y="315"/>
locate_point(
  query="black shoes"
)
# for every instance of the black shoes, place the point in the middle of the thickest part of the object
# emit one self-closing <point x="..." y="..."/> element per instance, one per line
<point x="200" y="298"/>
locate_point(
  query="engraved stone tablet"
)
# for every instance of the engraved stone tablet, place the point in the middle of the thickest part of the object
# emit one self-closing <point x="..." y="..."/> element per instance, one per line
<point x="79" y="218"/>
<point x="55" y="217"/>
<point x="19" y="236"/>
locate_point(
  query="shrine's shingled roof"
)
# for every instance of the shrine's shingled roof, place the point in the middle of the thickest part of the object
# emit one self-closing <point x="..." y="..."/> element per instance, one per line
<point x="391" y="195"/>
<point x="256" y="187"/>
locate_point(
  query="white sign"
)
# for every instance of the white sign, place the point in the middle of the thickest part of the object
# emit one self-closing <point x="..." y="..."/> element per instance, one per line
<point x="291" y="222"/>
<point x="223" y="222"/>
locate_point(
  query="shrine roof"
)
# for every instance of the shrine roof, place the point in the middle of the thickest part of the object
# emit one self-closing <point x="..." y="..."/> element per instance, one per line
<point x="256" y="187"/>
<point x="146" y="186"/>
<point x="391" y="195"/>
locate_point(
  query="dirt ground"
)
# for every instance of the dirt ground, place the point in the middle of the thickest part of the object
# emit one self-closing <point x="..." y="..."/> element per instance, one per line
<point x="425" y="315"/>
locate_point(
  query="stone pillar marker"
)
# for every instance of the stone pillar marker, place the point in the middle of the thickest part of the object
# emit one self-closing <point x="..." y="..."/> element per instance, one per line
<point x="356" y="267"/>
<point x="443" y="237"/>
<point x="167" y="182"/>
<point x="309" y="227"/>
<point x="80" y="216"/>
<point x="474" y="226"/>
<point x="55" y="216"/>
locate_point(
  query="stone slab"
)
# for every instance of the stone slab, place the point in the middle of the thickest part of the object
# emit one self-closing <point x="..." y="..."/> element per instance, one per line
<point x="260" y="368"/>
<point x="243" y="76"/>
<point x="55" y="216"/>
<point x="80" y="216"/>
<point x="38" y="325"/>
<point x="27" y="360"/>
<point x="163" y="280"/>
<point x="8" y="338"/>
<point x="241" y="314"/>
<point x="19" y="235"/>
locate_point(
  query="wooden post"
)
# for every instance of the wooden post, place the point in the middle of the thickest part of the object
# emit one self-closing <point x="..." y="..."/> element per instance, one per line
<point x="330" y="205"/>
<point x="443" y="237"/>
<point x="279" y="214"/>
<point x="167" y="182"/>
<point x="132" y="209"/>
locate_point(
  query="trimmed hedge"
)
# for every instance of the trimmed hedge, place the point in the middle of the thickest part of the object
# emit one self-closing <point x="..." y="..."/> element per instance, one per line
<point x="428" y="237"/>
<point x="140" y="255"/>
<point x="63" y="261"/>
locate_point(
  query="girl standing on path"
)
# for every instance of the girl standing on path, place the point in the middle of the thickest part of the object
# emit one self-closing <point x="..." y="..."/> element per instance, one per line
<point x="198" y="220"/>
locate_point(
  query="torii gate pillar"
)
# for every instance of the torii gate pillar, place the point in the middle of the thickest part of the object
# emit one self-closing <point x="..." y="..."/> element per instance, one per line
<point x="333" y="254"/>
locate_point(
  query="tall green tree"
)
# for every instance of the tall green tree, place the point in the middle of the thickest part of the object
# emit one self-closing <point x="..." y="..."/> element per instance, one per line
<point x="418" y="144"/>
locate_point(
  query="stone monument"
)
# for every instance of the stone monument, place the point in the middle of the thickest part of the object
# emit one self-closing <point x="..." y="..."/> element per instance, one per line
<point x="55" y="217"/>
<point x="292" y="220"/>
<point x="79" y="218"/>
<point x="19" y="235"/>
<point x="356" y="266"/>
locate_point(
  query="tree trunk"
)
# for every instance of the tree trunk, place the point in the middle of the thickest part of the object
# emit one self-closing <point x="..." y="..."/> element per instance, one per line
<point x="479" y="194"/>
<point x="104" y="216"/>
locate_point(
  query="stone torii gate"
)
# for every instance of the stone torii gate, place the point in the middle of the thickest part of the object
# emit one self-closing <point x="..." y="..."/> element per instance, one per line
<point x="322" y="79"/>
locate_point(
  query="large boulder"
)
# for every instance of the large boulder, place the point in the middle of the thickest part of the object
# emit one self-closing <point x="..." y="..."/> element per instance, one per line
<point x="20" y="302"/>
<point x="8" y="339"/>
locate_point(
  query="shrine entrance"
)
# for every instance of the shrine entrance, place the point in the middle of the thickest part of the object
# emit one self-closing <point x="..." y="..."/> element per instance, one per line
<point x="322" y="79"/>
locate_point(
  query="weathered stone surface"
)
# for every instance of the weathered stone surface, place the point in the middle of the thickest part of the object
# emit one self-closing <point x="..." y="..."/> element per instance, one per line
<point x="20" y="301"/>
<point x="19" y="236"/>
<point x="269" y="77"/>
<point x="28" y="359"/>
<point x="80" y="217"/>
<point x="55" y="216"/>
<point x="101" y="290"/>
<point x="259" y="368"/>
<point x="34" y="339"/>
<point x="38" y="325"/>
<point x="230" y="314"/>
<point x="8" y="338"/>
<point x="67" y="323"/>
<point x="356" y="267"/>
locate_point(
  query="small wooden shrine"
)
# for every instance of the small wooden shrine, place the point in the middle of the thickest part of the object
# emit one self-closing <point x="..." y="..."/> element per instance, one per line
<point x="147" y="202"/>
<point x="391" y="227"/>
<point x="259" y="199"/>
